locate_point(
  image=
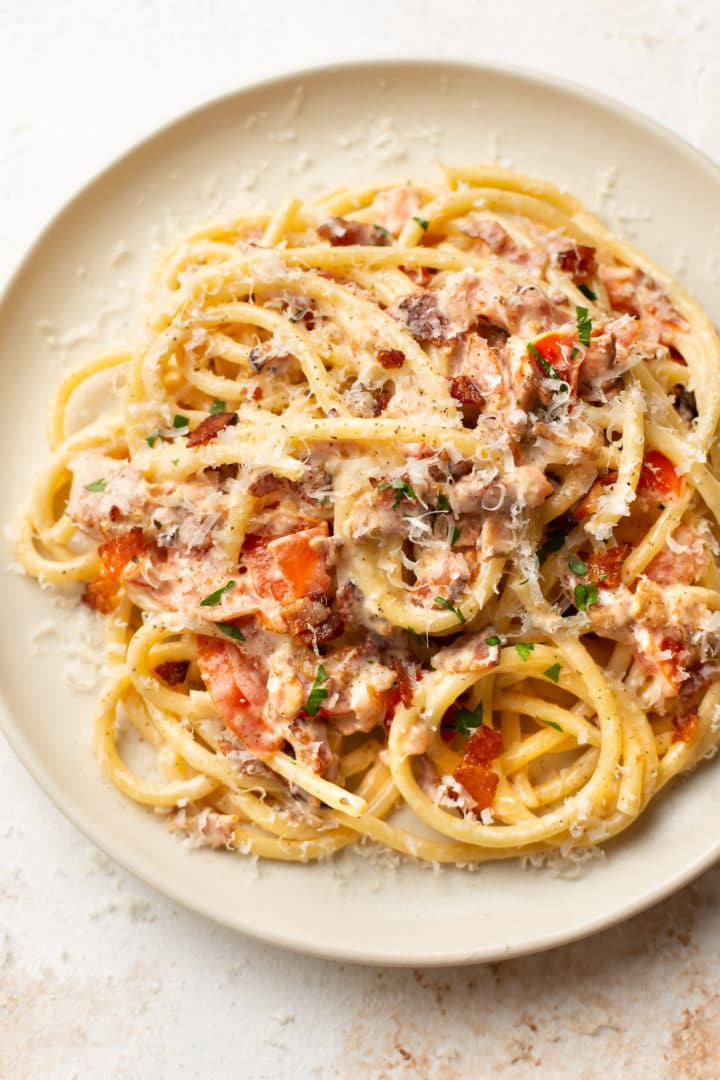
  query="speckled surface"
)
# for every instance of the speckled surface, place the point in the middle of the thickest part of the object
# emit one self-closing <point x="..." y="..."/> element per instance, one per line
<point x="99" y="975"/>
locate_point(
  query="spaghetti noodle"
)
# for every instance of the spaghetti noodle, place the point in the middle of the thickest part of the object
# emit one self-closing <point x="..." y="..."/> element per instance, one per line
<point x="411" y="502"/>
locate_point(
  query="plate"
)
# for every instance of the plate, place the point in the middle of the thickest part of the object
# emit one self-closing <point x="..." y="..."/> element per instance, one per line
<point x="80" y="290"/>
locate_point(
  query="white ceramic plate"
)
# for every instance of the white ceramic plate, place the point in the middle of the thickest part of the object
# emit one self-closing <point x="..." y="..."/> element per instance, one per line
<point x="80" y="291"/>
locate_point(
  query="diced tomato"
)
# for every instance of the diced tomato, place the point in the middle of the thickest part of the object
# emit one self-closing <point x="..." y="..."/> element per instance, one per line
<point x="290" y="567"/>
<point x="658" y="479"/>
<point x="238" y="691"/>
<point x="556" y="349"/>
<point x="101" y="594"/>
<point x="605" y="567"/>
<point x="685" y="727"/>
<point x="474" y="772"/>
<point x="589" y="504"/>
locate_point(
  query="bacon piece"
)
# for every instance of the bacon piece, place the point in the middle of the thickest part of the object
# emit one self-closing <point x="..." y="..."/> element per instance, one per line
<point x="238" y="691"/>
<point x="313" y="622"/>
<point x="473" y="772"/>
<point x="577" y="260"/>
<point x="211" y="427"/>
<point x="685" y="727"/>
<point x="101" y="594"/>
<point x="391" y="358"/>
<point x="173" y="672"/>
<point x="607" y="565"/>
<point x="420" y="275"/>
<point x="491" y="233"/>
<point x="661" y="657"/>
<point x="341" y="231"/>
<point x="589" y="504"/>
<point x="658" y="479"/>
<point x="463" y="389"/>
<point x="682" y="561"/>
<point x="634" y="292"/>
<point x="424" y="318"/>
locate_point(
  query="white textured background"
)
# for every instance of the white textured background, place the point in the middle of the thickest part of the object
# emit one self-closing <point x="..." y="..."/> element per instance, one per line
<point x="100" y="976"/>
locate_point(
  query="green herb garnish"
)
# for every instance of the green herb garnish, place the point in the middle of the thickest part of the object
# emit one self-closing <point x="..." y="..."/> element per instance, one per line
<point x="417" y="638"/>
<point x="215" y="597"/>
<point x="180" y="421"/>
<point x="442" y="505"/>
<point x="574" y="353"/>
<point x="494" y="640"/>
<point x="455" y="536"/>
<point x="443" y="603"/>
<point x="577" y="566"/>
<point x="422" y="222"/>
<point x="97" y="485"/>
<point x="317" y="693"/>
<point x="230" y="630"/>
<point x="401" y="489"/>
<point x="586" y="596"/>
<point x="153" y="438"/>
<point x="550" y="723"/>
<point x="584" y="324"/>
<point x="217" y="406"/>
<point x="553" y="543"/>
<point x="553" y="672"/>
<point x="547" y="368"/>
<point x="587" y="291"/>
<point x="524" y="648"/>
<point x="466" y="721"/>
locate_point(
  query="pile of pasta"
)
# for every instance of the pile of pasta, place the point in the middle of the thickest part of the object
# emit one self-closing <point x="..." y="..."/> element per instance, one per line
<point x="294" y="327"/>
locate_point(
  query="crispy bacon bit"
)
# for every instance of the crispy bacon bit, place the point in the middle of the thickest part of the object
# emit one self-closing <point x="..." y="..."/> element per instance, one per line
<point x="577" y="260"/>
<point x="265" y="484"/>
<point x="425" y="321"/>
<point x="473" y="772"/>
<point x="211" y="427"/>
<point x="589" y="504"/>
<point x="391" y="358"/>
<point x="173" y="672"/>
<point x="313" y="622"/>
<point x="685" y="727"/>
<point x="340" y="232"/>
<point x="661" y="657"/>
<point x="605" y="567"/>
<point x="381" y="399"/>
<point x="463" y="389"/>
<point x="402" y="690"/>
<point x="658" y="479"/>
<point x="101" y="594"/>
<point x="238" y="690"/>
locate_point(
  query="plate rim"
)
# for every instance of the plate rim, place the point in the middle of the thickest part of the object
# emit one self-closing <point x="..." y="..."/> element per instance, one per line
<point x="13" y="731"/>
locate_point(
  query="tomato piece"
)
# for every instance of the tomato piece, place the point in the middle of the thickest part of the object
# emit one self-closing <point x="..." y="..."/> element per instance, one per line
<point x="605" y="567"/>
<point x="101" y="594"/>
<point x="288" y="568"/>
<point x="474" y="772"/>
<point x="238" y="691"/>
<point x="658" y="479"/>
<point x="590" y="502"/>
<point x="556" y="350"/>
<point x="668" y="669"/>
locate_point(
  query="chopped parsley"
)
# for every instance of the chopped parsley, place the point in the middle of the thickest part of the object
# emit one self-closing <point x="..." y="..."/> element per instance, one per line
<point x="317" y="692"/>
<point x="97" y="485"/>
<point x="230" y="630"/>
<point x="215" y="597"/>
<point x="385" y="233"/>
<point x="587" y="291"/>
<point x="584" y="324"/>
<point x="577" y="566"/>
<point x="442" y="505"/>
<point x="324" y="500"/>
<point x="422" y="222"/>
<point x="217" y="406"/>
<point x="153" y="438"/>
<point x="401" y="488"/>
<point x="550" y="723"/>
<point x="574" y="353"/>
<point x="443" y="603"/>
<point x="553" y="543"/>
<point x="417" y="638"/>
<point x="466" y="721"/>
<point x="547" y="367"/>
<point x="586" y="596"/>
<point x="455" y="536"/>
<point x="494" y="640"/>
<point x="524" y="648"/>
<point x="553" y="672"/>
<point x="180" y="421"/>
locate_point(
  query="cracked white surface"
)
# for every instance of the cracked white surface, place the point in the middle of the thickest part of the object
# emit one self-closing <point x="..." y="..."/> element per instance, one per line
<point x="100" y="976"/>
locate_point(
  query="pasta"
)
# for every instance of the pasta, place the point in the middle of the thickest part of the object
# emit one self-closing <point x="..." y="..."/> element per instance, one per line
<point x="409" y="502"/>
